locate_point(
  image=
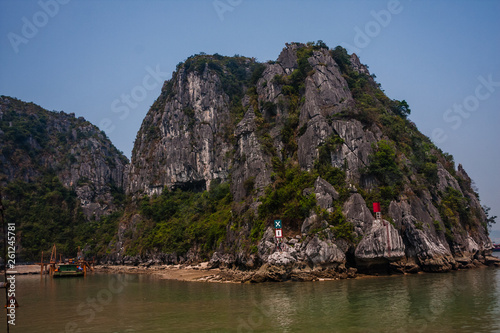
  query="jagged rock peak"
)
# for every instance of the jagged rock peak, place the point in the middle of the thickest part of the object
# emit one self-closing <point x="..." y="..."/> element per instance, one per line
<point x="186" y="139"/>
<point x="192" y="134"/>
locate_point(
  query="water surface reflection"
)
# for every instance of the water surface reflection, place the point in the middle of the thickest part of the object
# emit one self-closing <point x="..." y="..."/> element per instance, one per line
<point x="466" y="301"/>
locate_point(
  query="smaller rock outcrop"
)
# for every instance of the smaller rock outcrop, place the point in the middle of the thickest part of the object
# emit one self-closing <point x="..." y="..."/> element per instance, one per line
<point x="323" y="253"/>
<point x="356" y="212"/>
<point x="430" y="254"/>
<point x="36" y="142"/>
<point x="379" y="246"/>
<point x="325" y="193"/>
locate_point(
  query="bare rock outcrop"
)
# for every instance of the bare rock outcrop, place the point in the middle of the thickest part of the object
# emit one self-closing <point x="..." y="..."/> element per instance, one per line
<point x="380" y="245"/>
<point x="356" y="212"/>
<point x="325" y="193"/>
<point x="253" y="171"/>
<point x="183" y="142"/>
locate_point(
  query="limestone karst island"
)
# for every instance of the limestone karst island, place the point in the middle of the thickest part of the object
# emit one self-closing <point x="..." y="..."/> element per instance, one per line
<point x="296" y="169"/>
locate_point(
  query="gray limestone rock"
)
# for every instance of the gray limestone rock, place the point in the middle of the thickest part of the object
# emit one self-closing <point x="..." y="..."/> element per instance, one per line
<point x="318" y="130"/>
<point x="254" y="166"/>
<point x="356" y="148"/>
<point x="288" y="57"/>
<point x="267" y="244"/>
<point x="356" y="212"/>
<point x="432" y="255"/>
<point x="382" y="243"/>
<point x="357" y="66"/>
<point x="325" y="193"/>
<point x="309" y="222"/>
<point x="323" y="252"/>
<point x="446" y="179"/>
<point x="221" y="260"/>
<point x="327" y="91"/>
<point x="281" y="259"/>
<point x="184" y="144"/>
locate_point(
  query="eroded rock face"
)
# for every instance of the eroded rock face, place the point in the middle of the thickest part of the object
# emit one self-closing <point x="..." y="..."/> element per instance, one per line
<point x="381" y="244"/>
<point x="325" y="193"/>
<point x="309" y="222"/>
<point x="301" y="259"/>
<point x="432" y="256"/>
<point x="479" y="235"/>
<point x="281" y="259"/>
<point x="358" y="66"/>
<point x="446" y="179"/>
<point x="320" y="252"/>
<point x="253" y="168"/>
<point x="183" y="143"/>
<point x="356" y="212"/>
<point x="423" y="233"/>
<point x="97" y="168"/>
<point x="327" y="91"/>
<point x="356" y="148"/>
<point x="267" y="245"/>
<point x="318" y="130"/>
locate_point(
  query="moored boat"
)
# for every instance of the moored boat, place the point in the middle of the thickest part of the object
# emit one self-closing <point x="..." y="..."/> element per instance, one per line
<point x="496" y="247"/>
<point x="68" y="270"/>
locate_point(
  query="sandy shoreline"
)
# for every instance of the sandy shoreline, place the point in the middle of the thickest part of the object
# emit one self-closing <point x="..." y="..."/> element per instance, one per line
<point x="199" y="272"/>
<point x="192" y="273"/>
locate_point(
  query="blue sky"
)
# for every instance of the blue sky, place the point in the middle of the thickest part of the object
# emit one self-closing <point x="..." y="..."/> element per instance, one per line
<point x="105" y="60"/>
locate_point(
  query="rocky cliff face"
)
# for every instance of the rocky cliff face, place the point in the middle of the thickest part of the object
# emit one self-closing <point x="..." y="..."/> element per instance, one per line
<point x="310" y="139"/>
<point x="34" y="142"/>
<point x="184" y="139"/>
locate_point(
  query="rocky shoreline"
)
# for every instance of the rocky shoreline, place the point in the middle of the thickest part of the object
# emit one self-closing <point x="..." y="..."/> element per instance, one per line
<point x="204" y="273"/>
<point x="310" y="257"/>
<point x="208" y="272"/>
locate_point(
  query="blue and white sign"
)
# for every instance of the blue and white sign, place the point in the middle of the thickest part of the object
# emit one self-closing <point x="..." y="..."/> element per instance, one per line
<point x="277" y="224"/>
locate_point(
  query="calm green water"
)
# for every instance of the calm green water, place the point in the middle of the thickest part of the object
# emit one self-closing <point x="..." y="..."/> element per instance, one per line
<point x="465" y="301"/>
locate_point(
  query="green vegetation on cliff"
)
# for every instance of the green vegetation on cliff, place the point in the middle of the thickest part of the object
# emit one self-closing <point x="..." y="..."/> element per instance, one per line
<point x="59" y="178"/>
<point x="177" y="220"/>
<point x="46" y="213"/>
